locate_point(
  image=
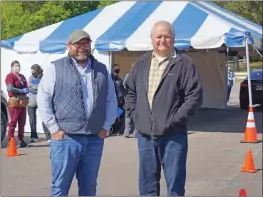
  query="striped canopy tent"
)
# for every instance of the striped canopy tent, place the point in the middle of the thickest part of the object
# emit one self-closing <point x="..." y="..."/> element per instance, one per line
<point x="127" y="24"/>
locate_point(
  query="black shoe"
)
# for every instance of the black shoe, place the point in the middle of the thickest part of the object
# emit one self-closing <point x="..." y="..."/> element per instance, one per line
<point x="23" y="144"/>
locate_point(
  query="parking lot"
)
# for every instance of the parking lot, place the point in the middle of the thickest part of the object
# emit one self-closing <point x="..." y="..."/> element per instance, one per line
<point x="215" y="158"/>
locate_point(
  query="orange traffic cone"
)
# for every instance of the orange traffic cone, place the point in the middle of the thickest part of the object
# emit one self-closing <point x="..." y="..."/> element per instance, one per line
<point x="251" y="130"/>
<point x="249" y="163"/>
<point x="242" y="192"/>
<point x="12" y="148"/>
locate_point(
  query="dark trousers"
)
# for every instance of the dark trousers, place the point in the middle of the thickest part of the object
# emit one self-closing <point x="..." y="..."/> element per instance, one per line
<point x="119" y="125"/>
<point x="32" y="113"/>
<point x="17" y="114"/>
<point x="78" y="155"/>
<point x="229" y="88"/>
<point x="168" y="152"/>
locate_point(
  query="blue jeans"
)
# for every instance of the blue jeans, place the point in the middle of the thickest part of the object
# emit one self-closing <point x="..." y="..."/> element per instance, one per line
<point x="170" y="152"/>
<point x="75" y="154"/>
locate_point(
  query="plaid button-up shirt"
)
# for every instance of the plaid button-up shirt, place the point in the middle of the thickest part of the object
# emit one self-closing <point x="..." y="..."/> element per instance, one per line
<point x="157" y="68"/>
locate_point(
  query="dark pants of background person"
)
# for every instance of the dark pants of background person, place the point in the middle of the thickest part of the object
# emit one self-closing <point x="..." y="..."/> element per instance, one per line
<point x="119" y="125"/>
<point x="75" y="154"/>
<point x="32" y="113"/>
<point x="170" y="152"/>
<point x="129" y="127"/>
<point x="229" y="88"/>
<point x="17" y="115"/>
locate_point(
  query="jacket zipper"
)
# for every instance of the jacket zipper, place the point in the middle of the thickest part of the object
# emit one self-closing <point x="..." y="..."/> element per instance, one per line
<point x="93" y="90"/>
<point x="152" y="122"/>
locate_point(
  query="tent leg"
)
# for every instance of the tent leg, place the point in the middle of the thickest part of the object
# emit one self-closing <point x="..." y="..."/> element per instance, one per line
<point x="227" y="56"/>
<point x="248" y="75"/>
<point x="257" y="52"/>
<point x="110" y="60"/>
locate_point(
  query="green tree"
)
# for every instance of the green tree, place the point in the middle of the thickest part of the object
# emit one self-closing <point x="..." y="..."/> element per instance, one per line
<point x="251" y="10"/>
<point x="32" y="6"/>
<point x="50" y="12"/>
<point x="80" y="7"/>
<point x="18" y="19"/>
<point x="105" y="3"/>
<point x="15" y="20"/>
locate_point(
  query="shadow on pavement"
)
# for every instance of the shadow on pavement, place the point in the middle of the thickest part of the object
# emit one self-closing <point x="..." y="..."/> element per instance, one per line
<point x="230" y="120"/>
<point x="35" y="145"/>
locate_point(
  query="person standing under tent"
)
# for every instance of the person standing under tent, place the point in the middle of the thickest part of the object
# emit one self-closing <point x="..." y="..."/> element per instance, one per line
<point x="119" y="124"/>
<point x="33" y="82"/>
<point x="230" y="80"/>
<point x="163" y="92"/>
<point x="77" y="103"/>
<point x="129" y="130"/>
<point x="17" y="91"/>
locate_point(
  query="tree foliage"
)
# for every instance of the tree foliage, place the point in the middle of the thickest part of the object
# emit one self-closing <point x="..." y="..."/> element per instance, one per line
<point x="80" y="7"/>
<point x="251" y="10"/>
<point x="14" y="19"/>
<point x="22" y="17"/>
<point x="105" y="3"/>
<point x="50" y="12"/>
<point x="19" y="17"/>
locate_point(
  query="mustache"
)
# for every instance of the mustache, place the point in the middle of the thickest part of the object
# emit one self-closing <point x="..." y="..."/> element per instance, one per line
<point x="79" y="53"/>
<point x="83" y="51"/>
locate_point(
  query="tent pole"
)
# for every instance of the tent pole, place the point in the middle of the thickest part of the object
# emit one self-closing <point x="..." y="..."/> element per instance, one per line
<point x="110" y="60"/>
<point x="248" y="74"/>
<point x="257" y="51"/>
<point x="227" y="56"/>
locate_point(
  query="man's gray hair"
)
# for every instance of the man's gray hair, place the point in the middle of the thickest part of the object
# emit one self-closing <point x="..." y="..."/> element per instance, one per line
<point x="171" y="27"/>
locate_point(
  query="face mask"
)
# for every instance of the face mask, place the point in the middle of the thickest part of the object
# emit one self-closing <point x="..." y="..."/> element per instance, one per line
<point x="34" y="74"/>
<point x="16" y="69"/>
<point x="117" y="70"/>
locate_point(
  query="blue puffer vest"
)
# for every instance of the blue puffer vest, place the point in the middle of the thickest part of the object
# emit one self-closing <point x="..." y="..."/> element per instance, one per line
<point x="68" y="104"/>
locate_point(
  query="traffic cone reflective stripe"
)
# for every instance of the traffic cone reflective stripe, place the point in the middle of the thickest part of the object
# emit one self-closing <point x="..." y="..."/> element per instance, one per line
<point x="251" y="124"/>
<point x="251" y="114"/>
<point x="251" y="130"/>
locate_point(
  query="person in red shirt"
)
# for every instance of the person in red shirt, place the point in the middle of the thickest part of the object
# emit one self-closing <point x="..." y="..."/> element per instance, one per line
<point x="17" y="90"/>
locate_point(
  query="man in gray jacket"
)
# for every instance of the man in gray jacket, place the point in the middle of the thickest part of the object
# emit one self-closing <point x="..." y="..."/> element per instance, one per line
<point x="77" y="102"/>
<point x="129" y="126"/>
<point x="163" y="92"/>
<point x="33" y="83"/>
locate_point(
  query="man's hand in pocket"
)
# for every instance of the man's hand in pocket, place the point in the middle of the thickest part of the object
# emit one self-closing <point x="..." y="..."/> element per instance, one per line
<point x="103" y="133"/>
<point x="59" y="135"/>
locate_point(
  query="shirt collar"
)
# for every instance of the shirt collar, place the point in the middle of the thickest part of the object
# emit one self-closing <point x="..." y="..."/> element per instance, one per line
<point x="88" y="65"/>
<point x="171" y="54"/>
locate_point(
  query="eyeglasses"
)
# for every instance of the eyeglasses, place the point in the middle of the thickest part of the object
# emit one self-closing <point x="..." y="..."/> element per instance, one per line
<point x="78" y="45"/>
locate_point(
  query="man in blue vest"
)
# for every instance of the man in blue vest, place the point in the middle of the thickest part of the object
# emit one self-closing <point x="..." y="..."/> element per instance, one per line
<point x="77" y="102"/>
